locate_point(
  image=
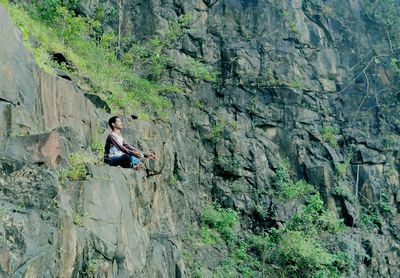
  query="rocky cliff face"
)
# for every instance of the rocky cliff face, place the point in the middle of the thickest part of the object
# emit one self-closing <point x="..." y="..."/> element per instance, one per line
<point x="303" y="81"/>
<point x="116" y="224"/>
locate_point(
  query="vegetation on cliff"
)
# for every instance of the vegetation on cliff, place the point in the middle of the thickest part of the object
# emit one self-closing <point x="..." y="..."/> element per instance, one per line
<point x="103" y="62"/>
<point x="301" y="247"/>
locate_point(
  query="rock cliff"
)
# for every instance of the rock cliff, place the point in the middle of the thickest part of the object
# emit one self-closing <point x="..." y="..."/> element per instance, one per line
<point x="303" y="81"/>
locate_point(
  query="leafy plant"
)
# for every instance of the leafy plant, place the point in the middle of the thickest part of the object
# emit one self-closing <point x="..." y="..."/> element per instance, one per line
<point x="222" y="220"/>
<point x="293" y="27"/>
<point x="199" y="70"/>
<point x="343" y="190"/>
<point x="370" y="217"/>
<point x="327" y="10"/>
<point x="198" y="104"/>
<point x="329" y="133"/>
<point x="97" y="149"/>
<point x="341" y="168"/>
<point x="287" y="188"/>
<point x="229" y="165"/>
<point x="78" y="218"/>
<point x="217" y="129"/>
<point x="172" y="181"/>
<point x="296" y="84"/>
<point x="76" y="169"/>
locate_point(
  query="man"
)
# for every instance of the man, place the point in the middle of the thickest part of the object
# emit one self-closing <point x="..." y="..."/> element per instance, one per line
<point x="117" y="152"/>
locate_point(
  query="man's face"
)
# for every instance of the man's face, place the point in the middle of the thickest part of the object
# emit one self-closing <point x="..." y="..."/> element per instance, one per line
<point x="117" y="124"/>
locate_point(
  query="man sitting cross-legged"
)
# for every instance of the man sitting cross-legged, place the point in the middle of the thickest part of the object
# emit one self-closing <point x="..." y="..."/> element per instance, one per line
<point x="117" y="152"/>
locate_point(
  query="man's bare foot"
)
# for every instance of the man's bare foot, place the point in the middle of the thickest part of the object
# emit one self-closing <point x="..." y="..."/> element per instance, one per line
<point x="137" y="167"/>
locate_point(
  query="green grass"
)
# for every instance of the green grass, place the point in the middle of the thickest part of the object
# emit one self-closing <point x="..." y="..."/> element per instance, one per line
<point x="93" y="57"/>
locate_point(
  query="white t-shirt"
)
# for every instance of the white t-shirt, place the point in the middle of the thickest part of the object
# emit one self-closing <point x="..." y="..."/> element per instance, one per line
<point x="114" y="151"/>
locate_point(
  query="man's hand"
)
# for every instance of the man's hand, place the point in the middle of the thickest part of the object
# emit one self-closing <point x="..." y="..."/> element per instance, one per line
<point x="151" y="156"/>
<point x="137" y="153"/>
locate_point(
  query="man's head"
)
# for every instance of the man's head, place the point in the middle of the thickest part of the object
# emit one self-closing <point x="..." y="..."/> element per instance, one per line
<point x="115" y="123"/>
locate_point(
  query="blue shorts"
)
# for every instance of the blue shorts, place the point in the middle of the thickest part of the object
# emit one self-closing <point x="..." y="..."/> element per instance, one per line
<point x="126" y="161"/>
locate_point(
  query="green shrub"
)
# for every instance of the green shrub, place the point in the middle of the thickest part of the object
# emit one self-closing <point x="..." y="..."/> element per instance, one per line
<point x="343" y="191"/>
<point x="341" y="168"/>
<point x="222" y="220"/>
<point x="97" y="149"/>
<point x="328" y="221"/>
<point x="296" y="84"/>
<point x="76" y="169"/>
<point x="78" y="218"/>
<point x="172" y="181"/>
<point x="199" y="70"/>
<point x="229" y="165"/>
<point x="287" y="188"/>
<point x="370" y="216"/>
<point x="329" y="135"/>
<point x="297" y="248"/>
<point x="209" y="236"/>
<point x="217" y="129"/>
<point x="342" y="260"/>
<point x="300" y="252"/>
<point x="198" y="104"/>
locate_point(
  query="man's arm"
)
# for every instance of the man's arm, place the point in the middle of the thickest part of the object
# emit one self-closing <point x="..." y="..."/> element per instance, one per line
<point x="136" y="152"/>
<point x="149" y="155"/>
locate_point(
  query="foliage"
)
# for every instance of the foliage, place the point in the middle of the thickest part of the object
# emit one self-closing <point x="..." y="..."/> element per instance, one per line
<point x="229" y="165"/>
<point x="153" y="55"/>
<point x="76" y="166"/>
<point x="92" y="267"/>
<point x="217" y="129"/>
<point x="299" y="252"/>
<point x="389" y="141"/>
<point x="341" y="168"/>
<point x="198" y="104"/>
<point x="92" y="54"/>
<point x="199" y="70"/>
<point x="172" y="181"/>
<point x="385" y="12"/>
<point x="48" y="10"/>
<point x="327" y="10"/>
<point x="297" y="246"/>
<point x="97" y="149"/>
<point x="78" y="218"/>
<point x="343" y="191"/>
<point x="178" y="28"/>
<point x="296" y="84"/>
<point x="252" y="106"/>
<point x="293" y="28"/>
<point x="222" y="220"/>
<point x="370" y="217"/>
<point x="329" y="133"/>
<point x="209" y="236"/>
<point x="287" y="188"/>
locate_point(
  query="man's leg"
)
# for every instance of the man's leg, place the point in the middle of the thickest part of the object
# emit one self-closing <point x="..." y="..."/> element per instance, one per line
<point x="135" y="162"/>
<point x="123" y="161"/>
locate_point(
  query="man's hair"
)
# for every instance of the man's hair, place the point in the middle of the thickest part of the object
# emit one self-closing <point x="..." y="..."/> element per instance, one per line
<point x="111" y="121"/>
